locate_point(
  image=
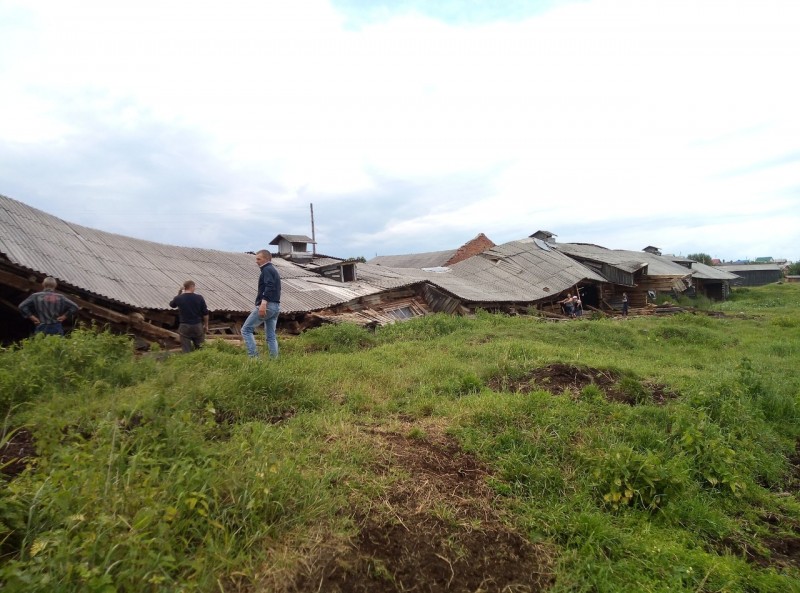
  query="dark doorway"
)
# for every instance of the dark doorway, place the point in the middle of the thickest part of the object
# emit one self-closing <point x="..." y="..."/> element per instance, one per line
<point x="590" y="295"/>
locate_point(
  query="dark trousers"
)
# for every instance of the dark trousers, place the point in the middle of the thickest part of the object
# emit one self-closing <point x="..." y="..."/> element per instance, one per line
<point x="192" y="336"/>
<point x="50" y="329"/>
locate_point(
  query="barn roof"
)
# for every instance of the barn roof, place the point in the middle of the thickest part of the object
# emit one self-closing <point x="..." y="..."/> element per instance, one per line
<point x="629" y="261"/>
<point x="523" y="271"/>
<point x="744" y="268"/>
<point x="703" y="271"/>
<point x="430" y="259"/>
<point x="145" y="274"/>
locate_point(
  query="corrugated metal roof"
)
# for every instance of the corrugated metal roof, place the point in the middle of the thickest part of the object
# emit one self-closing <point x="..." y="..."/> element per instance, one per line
<point x="706" y="272"/>
<point x="144" y="274"/>
<point x="703" y="271"/>
<point x="318" y="262"/>
<point x="515" y="272"/>
<point x="431" y="259"/>
<point x="629" y="261"/>
<point x="622" y="260"/>
<point x="736" y="268"/>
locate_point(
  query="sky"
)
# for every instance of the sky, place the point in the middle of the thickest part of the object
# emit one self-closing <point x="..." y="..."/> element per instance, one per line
<point x="410" y="125"/>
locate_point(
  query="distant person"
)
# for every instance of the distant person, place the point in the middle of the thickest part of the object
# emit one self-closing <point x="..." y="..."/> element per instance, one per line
<point x="193" y="315"/>
<point x="566" y="305"/>
<point x="268" y="306"/>
<point x="48" y="309"/>
<point x="624" y="304"/>
<point x="577" y="306"/>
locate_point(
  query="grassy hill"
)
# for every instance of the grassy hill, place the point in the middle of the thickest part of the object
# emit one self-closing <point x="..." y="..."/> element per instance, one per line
<point x="441" y="454"/>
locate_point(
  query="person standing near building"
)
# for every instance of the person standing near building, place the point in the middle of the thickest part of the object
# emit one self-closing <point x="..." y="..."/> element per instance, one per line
<point x="48" y="309"/>
<point x="268" y="305"/>
<point x="624" y="304"/>
<point x="193" y="315"/>
<point x="577" y="306"/>
<point x="566" y="305"/>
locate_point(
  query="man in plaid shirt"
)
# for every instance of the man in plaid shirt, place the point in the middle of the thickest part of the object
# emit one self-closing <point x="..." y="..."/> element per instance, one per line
<point x="48" y="309"/>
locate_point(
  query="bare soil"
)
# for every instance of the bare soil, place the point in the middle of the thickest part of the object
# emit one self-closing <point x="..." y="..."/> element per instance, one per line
<point x="437" y="530"/>
<point x="559" y="378"/>
<point x="17" y="453"/>
<point x="777" y="551"/>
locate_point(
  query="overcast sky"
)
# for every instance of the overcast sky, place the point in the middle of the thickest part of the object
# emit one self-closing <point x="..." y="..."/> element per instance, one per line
<point x="411" y="125"/>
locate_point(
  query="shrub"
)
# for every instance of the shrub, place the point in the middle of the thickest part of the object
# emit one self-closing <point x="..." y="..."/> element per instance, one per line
<point x="624" y="477"/>
<point x="713" y="460"/>
<point x="43" y="365"/>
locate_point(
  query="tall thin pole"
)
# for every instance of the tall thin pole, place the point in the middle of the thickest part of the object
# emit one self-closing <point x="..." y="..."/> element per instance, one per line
<point x="313" y="236"/>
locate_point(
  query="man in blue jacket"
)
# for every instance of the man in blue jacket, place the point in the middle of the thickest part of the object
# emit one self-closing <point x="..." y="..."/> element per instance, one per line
<point x="268" y="305"/>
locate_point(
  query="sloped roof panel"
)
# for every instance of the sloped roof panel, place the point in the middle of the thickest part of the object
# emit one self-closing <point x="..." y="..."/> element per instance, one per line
<point x="387" y="278"/>
<point x="736" y="268"/>
<point x="431" y="259"/>
<point x="518" y="271"/>
<point x="624" y="261"/>
<point x="628" y="261"/>
<point x="705" y="272"/>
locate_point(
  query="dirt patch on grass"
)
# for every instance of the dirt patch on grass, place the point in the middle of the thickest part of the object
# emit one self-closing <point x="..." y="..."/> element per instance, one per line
<point x="17" y="452"/>
<point x="782" y="547"/>
<point x="783" y="551"/>
<point x="436" y="530"/>
<point x="559" y="378"/>
<point x="774" y="551"/>
<point x="793" y="483"/>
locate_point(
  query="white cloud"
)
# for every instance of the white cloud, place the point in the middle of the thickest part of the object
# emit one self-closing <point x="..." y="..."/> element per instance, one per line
<point x="590" y="112"/>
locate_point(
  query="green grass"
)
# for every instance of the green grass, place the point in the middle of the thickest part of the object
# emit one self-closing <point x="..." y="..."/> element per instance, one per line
<point x="212" y="472"/>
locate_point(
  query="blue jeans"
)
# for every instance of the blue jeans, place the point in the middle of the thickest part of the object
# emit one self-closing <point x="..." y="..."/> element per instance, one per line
<point x="270" y="322"/>
<point x="50" y="329"/>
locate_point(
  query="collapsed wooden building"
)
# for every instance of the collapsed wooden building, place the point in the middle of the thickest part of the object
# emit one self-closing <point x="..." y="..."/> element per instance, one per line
<point x="126" y="284"/>
<point x="712" y="282"/>
<point x="538" y="272"/>
<point x="641" y="275"/>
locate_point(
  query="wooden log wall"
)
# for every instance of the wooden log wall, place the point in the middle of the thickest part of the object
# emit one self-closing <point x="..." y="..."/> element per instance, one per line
<point x="637" y="295"/>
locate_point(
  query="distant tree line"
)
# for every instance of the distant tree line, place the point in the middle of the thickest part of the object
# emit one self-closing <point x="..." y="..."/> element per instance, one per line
<point x="703" y="258"/>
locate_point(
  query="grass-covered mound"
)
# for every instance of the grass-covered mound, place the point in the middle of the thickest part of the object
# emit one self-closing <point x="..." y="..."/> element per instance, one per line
<point x="440" y="454"/>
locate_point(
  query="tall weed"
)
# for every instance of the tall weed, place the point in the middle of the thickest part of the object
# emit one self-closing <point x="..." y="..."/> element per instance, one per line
<point x="43" y="365"/>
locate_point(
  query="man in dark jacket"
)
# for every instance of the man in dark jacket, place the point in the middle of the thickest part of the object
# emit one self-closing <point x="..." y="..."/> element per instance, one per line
<point x="268" y="305"/>
<point x="193" y="315"/>
<point x="48" y="309"/>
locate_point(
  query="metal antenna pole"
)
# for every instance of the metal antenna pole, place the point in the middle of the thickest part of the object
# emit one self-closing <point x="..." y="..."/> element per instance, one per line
<point x="313" y="236"/>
